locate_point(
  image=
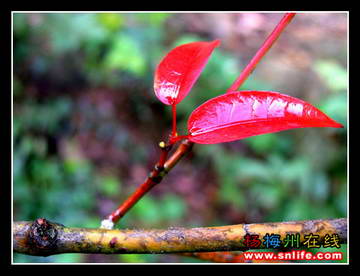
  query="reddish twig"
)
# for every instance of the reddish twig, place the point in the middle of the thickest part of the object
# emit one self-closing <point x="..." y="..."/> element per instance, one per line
<point x="174" y="132"/>
<point x="262" y="51"/>
<point x="155" y="177"/>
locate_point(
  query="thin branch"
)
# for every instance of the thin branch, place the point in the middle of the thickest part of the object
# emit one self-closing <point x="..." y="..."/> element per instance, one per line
<point x="262" y="51"/>
<point x="44" y="238"/>
<point x="154" y="178"/>
<point x="174" y="130"/>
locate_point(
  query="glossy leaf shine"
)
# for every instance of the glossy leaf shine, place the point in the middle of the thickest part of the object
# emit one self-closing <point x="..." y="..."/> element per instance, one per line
<point x="179" y="69"/>
<point x="238" y="115"/>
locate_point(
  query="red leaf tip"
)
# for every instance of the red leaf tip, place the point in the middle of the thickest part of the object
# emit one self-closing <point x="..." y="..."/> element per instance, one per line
<point x="338" y="125"/>
<point x="216" y="42"/>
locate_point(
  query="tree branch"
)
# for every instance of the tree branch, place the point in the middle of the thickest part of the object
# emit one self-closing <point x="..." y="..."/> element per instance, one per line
<point x="44" y="238"/>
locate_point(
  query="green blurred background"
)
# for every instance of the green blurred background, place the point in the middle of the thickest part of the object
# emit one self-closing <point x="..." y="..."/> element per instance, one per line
<point x="87" y="123"/>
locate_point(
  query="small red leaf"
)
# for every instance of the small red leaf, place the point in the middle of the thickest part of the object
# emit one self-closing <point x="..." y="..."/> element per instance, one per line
<point x="179" y="69"/>
<point x="241" y="114"/>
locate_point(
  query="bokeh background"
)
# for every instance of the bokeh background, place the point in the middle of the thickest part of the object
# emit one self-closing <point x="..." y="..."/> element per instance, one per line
<point x="87" y="123"/>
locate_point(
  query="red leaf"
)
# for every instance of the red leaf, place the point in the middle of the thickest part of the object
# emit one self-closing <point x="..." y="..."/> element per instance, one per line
<point x="179" y="69"/>
<point x="238" y="115"/>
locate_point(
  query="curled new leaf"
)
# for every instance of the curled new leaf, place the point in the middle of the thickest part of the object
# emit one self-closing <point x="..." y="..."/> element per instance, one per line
<point x="179" y="69"/>
<point x="239" y="115"/>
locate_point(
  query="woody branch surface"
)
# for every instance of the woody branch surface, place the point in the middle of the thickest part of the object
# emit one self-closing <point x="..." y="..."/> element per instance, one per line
<point x="43" y="238"/>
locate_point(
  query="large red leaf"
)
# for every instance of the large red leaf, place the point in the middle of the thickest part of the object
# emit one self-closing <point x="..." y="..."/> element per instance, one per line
<point x="180" y="68"/>
<point x="237" y="115"/>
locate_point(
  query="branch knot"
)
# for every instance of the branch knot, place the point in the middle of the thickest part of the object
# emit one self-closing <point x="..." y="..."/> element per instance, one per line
<point x="43" y="234"/>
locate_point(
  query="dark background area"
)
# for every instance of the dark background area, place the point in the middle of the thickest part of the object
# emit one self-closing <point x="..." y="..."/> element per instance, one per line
<point x="86" y="122"/>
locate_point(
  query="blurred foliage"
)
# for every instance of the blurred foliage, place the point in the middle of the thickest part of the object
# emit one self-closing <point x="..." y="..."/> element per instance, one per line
<point x="86" y="122"/>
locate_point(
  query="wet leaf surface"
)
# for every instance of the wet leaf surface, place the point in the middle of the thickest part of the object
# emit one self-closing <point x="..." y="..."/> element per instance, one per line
<point x="239" y="115"/>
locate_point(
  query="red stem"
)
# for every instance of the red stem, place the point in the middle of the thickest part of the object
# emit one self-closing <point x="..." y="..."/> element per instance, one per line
<point x="178" y="138"/>
<point x="144" y="187"/>
<point x="156" y="175"/>
<point x="131" y="200"/>
<point x="162" y="159"/>
<point x="262" y="51"/>
<point x="173" y="134"/>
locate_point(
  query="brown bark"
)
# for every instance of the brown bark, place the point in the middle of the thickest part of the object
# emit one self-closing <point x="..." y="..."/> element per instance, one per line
<point x="44" y="238"/>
